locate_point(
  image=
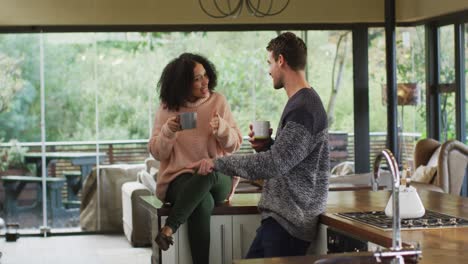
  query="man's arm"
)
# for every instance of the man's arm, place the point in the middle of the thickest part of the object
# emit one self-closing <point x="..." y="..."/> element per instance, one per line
<point x="291" y="147"/>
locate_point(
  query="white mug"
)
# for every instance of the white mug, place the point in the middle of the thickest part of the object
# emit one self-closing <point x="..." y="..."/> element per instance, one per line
<point x="261" y="129"/>
<point x="188" y="120"/>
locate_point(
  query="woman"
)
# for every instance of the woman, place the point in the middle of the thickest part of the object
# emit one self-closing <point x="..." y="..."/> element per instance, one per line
<point x="187" y="85"/>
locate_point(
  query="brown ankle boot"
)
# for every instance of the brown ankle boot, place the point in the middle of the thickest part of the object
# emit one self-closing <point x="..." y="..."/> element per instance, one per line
<point x="163" y="241"/>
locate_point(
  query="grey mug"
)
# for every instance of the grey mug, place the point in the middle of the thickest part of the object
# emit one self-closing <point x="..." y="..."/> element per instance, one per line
<point x="188" y="120"/>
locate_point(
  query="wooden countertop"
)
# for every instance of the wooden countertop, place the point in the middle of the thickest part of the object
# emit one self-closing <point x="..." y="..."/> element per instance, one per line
<point x="444" y="245"/>
<point x="240" y="204"/>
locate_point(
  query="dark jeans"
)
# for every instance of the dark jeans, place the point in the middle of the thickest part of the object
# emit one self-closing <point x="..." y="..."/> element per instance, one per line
<point x="193" y="198"/>
<point x="273" y="240"/>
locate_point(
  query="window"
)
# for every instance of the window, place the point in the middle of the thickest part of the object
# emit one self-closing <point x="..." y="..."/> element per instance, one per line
<point x="411" y="86"/>
<point x="466" y="80"/>
<point x="446" y="79"/>
<point x="100" y="91"/>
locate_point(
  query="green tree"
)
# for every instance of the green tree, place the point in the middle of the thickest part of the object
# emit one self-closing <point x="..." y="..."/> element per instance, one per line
<point x="11" y="81"/>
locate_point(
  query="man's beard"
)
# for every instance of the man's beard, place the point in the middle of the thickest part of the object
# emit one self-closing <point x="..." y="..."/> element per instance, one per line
<point x="278" y="85"/>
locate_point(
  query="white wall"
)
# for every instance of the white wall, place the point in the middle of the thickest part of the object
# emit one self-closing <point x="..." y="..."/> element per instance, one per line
<point x="176" y="12"/>
<point x="414" y="10"/>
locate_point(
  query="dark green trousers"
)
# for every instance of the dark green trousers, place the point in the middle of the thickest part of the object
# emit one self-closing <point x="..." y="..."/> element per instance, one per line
<point x="193" y="198"/>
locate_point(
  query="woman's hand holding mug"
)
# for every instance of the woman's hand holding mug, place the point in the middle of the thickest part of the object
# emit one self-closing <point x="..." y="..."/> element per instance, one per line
<point x="173" y="123"/>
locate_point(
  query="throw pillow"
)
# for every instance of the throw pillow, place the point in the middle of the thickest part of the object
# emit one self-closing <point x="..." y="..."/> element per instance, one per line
<point x="151" y="163"/>
<point x="424" y="174"/>
<point x="434" y="160"/>
<point x="147" y="180"/>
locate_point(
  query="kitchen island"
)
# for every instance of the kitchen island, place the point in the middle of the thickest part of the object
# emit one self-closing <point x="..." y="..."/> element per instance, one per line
<point x="439" y="245"/>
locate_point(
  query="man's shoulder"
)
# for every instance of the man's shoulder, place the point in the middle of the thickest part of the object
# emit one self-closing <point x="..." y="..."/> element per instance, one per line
<point x="304" y="98"/>
<point x="312" y="118"/>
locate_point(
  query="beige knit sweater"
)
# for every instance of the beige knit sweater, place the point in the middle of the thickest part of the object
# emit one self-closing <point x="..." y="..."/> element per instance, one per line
<point x="176" y="150"/>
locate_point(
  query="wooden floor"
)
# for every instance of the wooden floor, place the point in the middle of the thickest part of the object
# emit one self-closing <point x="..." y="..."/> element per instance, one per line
<point x="88" y="249"/>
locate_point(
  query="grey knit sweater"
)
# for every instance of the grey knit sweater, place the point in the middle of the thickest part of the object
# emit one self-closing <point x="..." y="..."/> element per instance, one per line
<point x="296" y="167"/>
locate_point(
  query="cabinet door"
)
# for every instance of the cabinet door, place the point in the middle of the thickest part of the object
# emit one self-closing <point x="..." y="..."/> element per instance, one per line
<point x="220" y="241"/>
<point x="171" y="255"/>
<point x="185" y="255"/>
<point x="244" y="229"/>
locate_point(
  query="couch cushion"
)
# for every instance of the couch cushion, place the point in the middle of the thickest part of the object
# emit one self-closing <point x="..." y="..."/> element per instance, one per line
<point x="148" y="179"/>
<point x="426" y="186"/>
<point x="433" y="161"/>
<point x="136" y="220"/>
<point x="424" y="174"/>
<point x="342" y="169"/>
<point x="151" y="163"/>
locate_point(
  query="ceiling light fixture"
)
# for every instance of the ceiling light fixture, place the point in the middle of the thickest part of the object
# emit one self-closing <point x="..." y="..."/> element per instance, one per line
<point x="233" y="8"/>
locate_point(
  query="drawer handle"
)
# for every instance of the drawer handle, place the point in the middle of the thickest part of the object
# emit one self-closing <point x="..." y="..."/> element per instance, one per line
<point x="222" y="245"/>
<point x="241" y="234"/>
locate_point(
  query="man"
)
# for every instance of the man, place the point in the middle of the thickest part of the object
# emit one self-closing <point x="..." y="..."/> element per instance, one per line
<point x="295" y="165"/>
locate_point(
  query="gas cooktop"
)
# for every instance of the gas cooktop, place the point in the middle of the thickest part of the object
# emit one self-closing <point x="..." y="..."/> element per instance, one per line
<point x="430" y="219"/>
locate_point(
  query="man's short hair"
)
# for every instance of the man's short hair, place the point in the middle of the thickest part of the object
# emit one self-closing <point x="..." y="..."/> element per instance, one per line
<point x="292" y="48"/>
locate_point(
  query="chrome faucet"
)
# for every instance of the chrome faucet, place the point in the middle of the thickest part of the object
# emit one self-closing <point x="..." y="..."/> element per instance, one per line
<point x="393" y="165"/>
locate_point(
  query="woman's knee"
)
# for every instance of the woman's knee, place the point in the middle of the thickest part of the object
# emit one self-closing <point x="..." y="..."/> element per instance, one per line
<point x="205" y="207"/>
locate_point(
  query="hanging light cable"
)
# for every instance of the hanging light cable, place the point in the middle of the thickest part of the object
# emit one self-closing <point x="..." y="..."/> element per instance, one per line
<point x="257" y="8"/>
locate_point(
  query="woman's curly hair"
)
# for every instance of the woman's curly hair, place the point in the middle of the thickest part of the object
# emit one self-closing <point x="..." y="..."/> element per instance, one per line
<point x="175" y="84"/>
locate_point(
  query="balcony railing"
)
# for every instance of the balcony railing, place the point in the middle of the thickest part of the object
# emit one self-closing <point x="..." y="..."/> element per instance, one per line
<point x="135" y="151"/>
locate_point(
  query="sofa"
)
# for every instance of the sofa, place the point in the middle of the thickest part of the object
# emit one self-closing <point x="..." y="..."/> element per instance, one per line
<point x="101" y="199"/>
<point x="136" y="220"/>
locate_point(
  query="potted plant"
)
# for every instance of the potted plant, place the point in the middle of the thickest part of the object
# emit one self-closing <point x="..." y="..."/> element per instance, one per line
<point x="12" y="163"/>
<point x="12" y="160"/>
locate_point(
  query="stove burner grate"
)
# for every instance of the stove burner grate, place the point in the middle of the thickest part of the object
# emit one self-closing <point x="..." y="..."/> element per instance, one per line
<point x="430" y="219"/>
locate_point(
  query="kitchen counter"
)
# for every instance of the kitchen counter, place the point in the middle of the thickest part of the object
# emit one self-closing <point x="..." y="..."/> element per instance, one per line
<point x="443" y="245"/>
<point x="240" y="215"/>
<point x="240" y="204"/>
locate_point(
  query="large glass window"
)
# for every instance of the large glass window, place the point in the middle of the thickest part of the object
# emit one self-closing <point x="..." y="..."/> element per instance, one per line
<point x="100" y="97"/>
<point x="377" y="80"/>
<point x="330" y="73"/>
<point x="20" y="81"/>
<point x="410" y="59"/>
<point x="411" y="90"/>
<point x="126" y="66"/>
<point x="20" y="122"/>
<point x="447" y="81"/>
<point x="69" y="86"/>
<point x="466" y="82"/>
